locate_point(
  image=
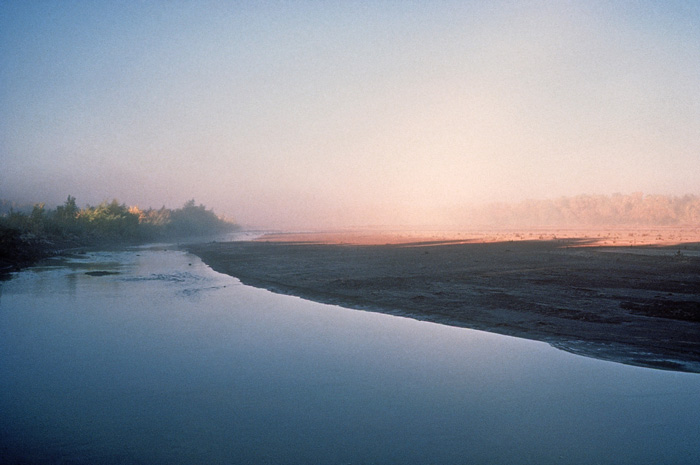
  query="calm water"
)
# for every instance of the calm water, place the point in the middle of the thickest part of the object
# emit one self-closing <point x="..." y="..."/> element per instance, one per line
<point x="168" y="362"/>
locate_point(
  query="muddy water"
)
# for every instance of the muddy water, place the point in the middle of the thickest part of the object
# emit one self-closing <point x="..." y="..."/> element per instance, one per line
<point x="148" y="356"/>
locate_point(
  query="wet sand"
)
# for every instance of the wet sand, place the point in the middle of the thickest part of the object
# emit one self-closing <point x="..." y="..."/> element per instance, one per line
<point x="635" y="305"/>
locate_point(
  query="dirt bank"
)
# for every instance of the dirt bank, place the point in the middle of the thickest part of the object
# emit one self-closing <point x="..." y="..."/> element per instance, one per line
<point x="635" y="305"/>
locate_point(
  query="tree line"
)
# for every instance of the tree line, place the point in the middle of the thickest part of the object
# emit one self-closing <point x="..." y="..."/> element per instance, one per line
<point x="25" y="236"/>
<point x="621" y="210"/>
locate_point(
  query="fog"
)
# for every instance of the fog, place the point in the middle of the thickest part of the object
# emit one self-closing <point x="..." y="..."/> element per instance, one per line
<point x="311" y="115"/>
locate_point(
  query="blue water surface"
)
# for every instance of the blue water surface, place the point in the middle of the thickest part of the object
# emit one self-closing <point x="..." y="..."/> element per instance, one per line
<point x="168" y="362"/>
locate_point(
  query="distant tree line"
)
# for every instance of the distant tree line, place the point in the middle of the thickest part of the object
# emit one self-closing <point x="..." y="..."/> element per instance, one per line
<point x="25" y="236"/>
<point x="595" y="210"/>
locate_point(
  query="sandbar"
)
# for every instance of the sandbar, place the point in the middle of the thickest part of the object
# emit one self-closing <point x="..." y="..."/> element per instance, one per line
<point x="638" y="305"/>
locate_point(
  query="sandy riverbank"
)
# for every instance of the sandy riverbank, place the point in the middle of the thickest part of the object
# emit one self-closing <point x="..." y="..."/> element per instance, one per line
<point x="636" y="305"/>
<point x="613" y="236"/>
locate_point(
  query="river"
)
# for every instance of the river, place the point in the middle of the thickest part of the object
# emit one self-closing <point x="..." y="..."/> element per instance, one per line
<point x="147" y="356"/>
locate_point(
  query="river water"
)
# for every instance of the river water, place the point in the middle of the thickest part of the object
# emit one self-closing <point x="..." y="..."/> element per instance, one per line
<point x="165" y="361"/>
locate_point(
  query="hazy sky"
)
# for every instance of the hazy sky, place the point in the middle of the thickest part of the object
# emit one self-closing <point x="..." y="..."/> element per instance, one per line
<point x="302" y="114"/>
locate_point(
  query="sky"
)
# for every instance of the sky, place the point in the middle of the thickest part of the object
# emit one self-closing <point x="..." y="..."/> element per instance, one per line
<point x="303" y="115"/>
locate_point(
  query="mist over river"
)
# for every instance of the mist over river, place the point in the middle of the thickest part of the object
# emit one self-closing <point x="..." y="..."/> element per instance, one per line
<point x="148" y="356"/>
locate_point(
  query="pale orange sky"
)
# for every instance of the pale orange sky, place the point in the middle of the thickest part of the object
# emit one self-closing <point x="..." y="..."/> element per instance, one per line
<point x="337" y="114"/>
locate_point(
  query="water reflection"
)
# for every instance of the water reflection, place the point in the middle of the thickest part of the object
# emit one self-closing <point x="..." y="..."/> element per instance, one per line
<point x="168" y="362"/>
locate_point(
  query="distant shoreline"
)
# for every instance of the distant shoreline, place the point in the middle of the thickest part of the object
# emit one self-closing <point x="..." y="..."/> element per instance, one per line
<point x="634" y="308"/>
<point x="601" y="236"/>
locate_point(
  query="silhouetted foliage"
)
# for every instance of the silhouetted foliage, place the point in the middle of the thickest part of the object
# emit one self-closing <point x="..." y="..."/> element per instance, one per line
<point x="110" y="220"/>
<point x="26" y="237"/>
<point x="193" y="220"/>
